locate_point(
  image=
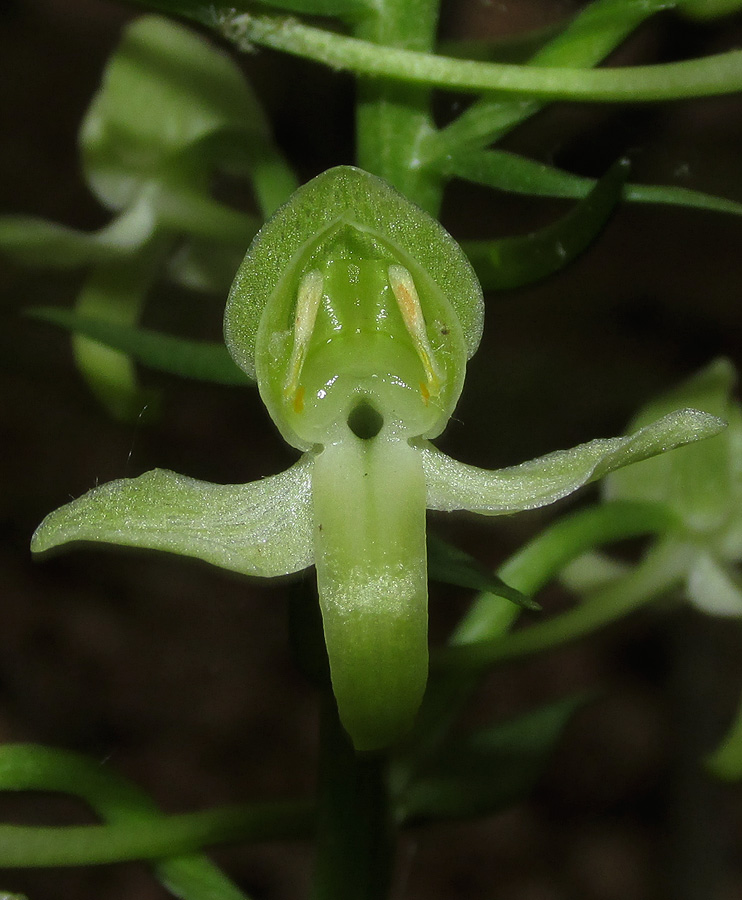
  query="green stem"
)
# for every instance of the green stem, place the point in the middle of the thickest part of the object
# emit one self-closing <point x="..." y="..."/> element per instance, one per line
<point x="709" y="76"/>
<point x="354" y="837"/>
<point x="355" y="842"/>
<point x="31" y="846"/>
<point x="393" y="120"/>
<point x="25" y="767"/>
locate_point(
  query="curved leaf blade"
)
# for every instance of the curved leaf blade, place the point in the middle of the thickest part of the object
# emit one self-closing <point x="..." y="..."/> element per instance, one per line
<point x="517" y="261"/>
<point x="450" y="565"/>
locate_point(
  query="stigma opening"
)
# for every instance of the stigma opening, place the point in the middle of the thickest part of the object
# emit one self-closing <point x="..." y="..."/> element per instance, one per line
<point x="365" y="421"/>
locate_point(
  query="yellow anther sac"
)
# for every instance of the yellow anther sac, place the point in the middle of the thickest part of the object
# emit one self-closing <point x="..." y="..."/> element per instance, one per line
<point x="299" y="400"/>
<point x="308" y="299"/>
<point x="403" y="288"/>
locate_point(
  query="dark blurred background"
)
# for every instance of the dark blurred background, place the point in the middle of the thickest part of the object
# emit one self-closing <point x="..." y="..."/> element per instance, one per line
<point x="181" y="676"/>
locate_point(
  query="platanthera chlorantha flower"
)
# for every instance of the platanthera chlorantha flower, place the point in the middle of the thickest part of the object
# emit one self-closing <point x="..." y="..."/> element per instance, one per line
<point x="172" y="113"/>
<point x="356" y="312"/>
<point x="702" y="486"/>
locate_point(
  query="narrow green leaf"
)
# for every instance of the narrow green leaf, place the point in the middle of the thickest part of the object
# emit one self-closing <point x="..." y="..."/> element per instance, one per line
<point x="490" y="769"/>
<point x="538" y="482"/>
<point x="515" y="174"/>
<point x="663" y="570"/>
<point x="517" y="261"/>
<point x="490" y="618"/>
<point x="450" y="565"/>
<point x="563" y="541"/>
<point x="262" y="528"/>
<point x="200" y="360"/>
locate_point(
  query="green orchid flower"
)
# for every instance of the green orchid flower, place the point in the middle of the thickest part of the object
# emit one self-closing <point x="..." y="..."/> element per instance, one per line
<point x="702" y="487"/>
<point x="356" y="313"/>
<point x="172" y="112"/>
